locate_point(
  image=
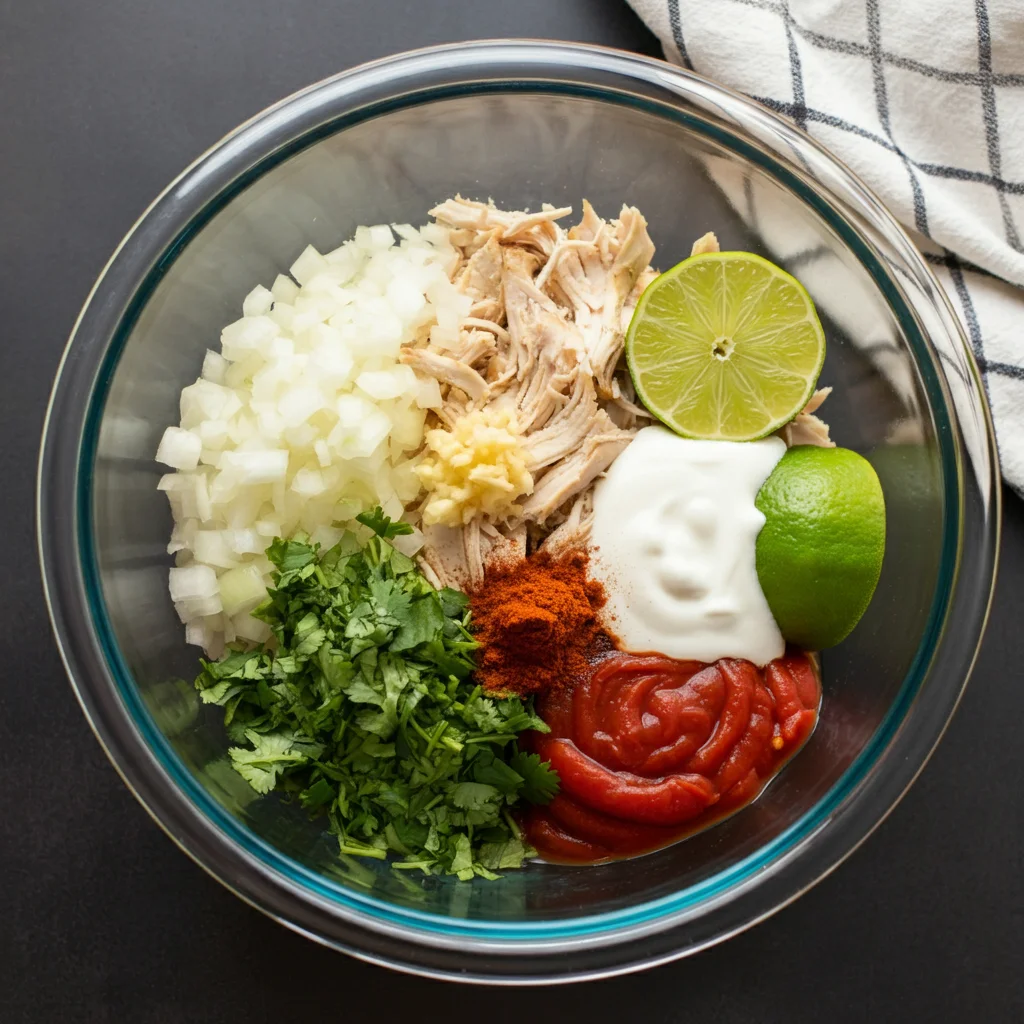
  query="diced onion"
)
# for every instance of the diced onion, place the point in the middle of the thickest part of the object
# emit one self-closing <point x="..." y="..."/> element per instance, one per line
<point x="259" y="467"/>
<point x="215" y="366"/>
<point x="258" y="302"/>
<point x="428" y="394"/>
<point x="248" y="628"/>
<point x="284" y="289"/>
<point x="384" y="384"/>
<point x="308" y="265"/>
<point x="210" y="547"/>
<point x="193" y="581"/>
<point x="241" y="589"/>
<point x="179" y="448"/>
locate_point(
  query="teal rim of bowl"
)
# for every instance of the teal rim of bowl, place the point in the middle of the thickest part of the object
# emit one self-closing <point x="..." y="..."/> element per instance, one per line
<point x="561" y="928"/>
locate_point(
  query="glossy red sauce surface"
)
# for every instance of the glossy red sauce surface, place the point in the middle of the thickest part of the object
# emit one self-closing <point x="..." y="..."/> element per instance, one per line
<point x="650" y="749"/>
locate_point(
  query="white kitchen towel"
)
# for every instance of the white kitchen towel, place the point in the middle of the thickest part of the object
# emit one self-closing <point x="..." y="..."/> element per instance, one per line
<point x="924" y="99"/>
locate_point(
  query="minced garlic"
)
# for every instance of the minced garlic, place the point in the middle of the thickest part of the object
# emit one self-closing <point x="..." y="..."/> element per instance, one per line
<point x="479" y="466"/>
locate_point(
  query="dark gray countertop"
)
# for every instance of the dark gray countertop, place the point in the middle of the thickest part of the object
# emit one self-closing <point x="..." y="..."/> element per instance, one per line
<point x="101" y="918"/>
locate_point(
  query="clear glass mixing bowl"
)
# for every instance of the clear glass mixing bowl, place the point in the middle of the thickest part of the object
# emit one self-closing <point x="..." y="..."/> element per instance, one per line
<point x="523" y="123"/>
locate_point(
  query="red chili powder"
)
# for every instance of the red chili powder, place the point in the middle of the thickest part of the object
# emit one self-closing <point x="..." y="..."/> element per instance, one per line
<point x="537" y="622"/>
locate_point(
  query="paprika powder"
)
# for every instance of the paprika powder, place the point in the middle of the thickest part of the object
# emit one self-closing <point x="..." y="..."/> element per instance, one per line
<point x="537" y="623"/>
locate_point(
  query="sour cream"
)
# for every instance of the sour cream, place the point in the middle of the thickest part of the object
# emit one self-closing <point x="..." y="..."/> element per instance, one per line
<point x="674" y="531"/>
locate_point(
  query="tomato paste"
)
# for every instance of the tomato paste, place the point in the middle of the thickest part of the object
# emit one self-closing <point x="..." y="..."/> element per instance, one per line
<point x="650" y="749"/>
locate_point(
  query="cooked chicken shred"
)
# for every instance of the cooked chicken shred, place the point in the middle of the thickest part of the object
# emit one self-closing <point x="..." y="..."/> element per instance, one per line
<point x="706" y="243"/>
<point x="808" y="428"/>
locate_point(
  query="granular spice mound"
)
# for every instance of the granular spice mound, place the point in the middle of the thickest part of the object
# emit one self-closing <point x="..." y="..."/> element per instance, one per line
<point x="537" y="623"/>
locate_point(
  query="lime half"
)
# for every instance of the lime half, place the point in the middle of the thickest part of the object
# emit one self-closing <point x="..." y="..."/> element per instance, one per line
<point x="725" y="346"/>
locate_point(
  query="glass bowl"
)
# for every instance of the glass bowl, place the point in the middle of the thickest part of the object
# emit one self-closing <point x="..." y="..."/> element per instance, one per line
<point x="523" y="123"/>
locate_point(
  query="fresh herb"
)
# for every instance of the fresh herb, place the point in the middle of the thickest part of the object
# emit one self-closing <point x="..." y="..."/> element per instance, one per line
<point x="540" y="783"/>
<point x="363" y="706"/>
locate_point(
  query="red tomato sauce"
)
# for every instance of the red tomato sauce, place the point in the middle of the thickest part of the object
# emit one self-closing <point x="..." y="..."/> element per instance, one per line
<point x="650" y="749"/>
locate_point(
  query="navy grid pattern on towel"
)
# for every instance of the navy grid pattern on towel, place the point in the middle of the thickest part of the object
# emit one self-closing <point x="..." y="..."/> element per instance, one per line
<point x="924" y="99"/>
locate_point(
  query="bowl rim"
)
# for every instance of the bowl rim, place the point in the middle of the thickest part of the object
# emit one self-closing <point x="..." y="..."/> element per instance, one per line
<point x="228" y="167"/>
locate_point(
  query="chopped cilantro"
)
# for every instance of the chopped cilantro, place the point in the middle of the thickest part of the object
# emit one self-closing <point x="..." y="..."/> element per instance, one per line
<point x="382" y="525"/>
<point x="364" y="707"/>
<point x="540" y="782"/>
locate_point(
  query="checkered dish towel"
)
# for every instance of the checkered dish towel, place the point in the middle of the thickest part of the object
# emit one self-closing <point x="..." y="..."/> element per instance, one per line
<point x="924" y="99"/>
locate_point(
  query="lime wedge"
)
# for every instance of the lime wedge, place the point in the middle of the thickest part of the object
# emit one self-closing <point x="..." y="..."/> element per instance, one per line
<point x="725" y="346"/>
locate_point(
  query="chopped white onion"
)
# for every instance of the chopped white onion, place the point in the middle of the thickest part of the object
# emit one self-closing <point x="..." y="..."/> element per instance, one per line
<point x="297" y="404"/>
<point x="241" y="589"/>
<point x="192" y="581"/>
<point x="258" y="302"/>
<point x="256" y="467"/>
<point x="197" y="607"/>
<point x="381" y="385"/>
<point x="215" y="366"/>
<point x="210" y="547"/>
<point x="179" y="448"/>
<point x="308" y="265"/>
<point x="248" y="628"/>
<point x="323" y="453"/>
<point x="428" y="394"/>
<point x="269" y="528"/>
<point x="409" y="543"/>
<point x="308" y="482"/>
<point x="198" y="633"/>
<point x="284" y="289"/>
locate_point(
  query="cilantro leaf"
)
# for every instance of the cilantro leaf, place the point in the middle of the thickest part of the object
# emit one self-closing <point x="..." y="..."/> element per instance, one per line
<point x="362" y="692"/>
<point x="453" y="602"/>
<point x="492" y="771"/>
<point x="272" y="753"/>
<point x="289" y="555"/>
<point x="220" y="693"/>
<point x="540" y="781"/>
<point x="421" y="621"/>
<point x="336" y="670"/>
<point x="462" y="858"/>
<point x="232" y="664"/>
<point x="473" y="796"/>
<point x="501" y="856"/>
<point x="318" y="794"/>
<point x="382" y="524"/>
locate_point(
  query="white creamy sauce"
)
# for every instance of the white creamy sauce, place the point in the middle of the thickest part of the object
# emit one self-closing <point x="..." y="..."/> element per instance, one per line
<point x="674" y="530"/>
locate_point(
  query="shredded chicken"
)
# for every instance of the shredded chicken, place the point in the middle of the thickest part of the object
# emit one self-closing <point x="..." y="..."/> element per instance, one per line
<point x="486" y="545"/>
<point x="623" y="407"/>
<point x="574" y="532"/>
<point x="808" y="428"/>
<point x="448" y="371"/>
<point x="443" y="556"/>
<point x="459" y="558"/>
<point x="597" y="277"/>
<point x="467" y="213"/>
<point x="475" y="347"/>
<point x="566" y="429"/>
<point x="480" y="279"/>
<point x="567" y="478"/>
<point x="706" y="243"/>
